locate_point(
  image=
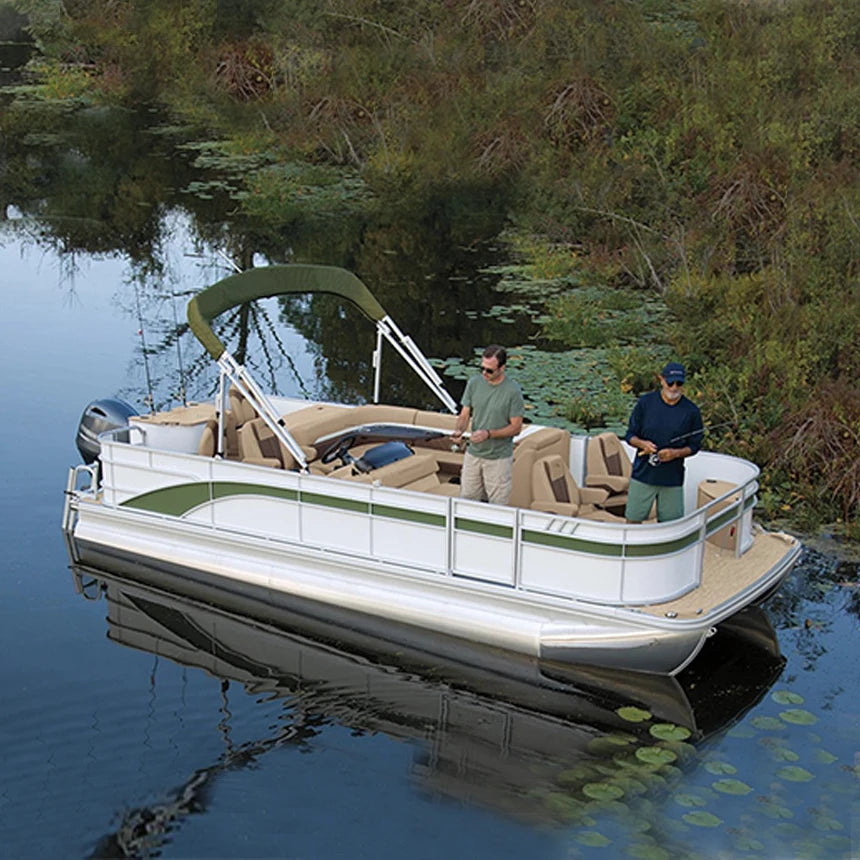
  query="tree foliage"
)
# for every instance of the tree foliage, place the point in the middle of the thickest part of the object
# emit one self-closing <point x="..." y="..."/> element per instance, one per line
<point x="706" y="150"/>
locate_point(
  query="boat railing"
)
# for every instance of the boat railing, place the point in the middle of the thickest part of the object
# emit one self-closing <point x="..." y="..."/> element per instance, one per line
<point x="434" y="535"/>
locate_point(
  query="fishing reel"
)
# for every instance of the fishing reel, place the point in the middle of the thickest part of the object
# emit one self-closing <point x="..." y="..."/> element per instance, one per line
<point x="654" y="459"/>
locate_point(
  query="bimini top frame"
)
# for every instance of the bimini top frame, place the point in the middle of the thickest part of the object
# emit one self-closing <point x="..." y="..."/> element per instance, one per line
<point x="285" y="280"/>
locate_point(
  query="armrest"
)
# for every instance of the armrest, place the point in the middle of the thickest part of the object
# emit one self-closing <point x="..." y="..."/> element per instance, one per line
<point x="611" y="483"/>
<point x="565" y="509"/>
<point x="593" y="496"/>
<point x="273" y="462"/>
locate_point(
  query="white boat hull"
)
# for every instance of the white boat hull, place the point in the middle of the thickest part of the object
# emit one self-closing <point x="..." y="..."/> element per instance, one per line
<point x="366" y="592"/>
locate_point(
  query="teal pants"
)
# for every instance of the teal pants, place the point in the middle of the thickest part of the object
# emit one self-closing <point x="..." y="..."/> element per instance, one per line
<point x="640" y="498"/>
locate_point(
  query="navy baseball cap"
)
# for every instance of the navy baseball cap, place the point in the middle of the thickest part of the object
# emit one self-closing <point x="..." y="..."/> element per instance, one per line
<point x="674" y="372"/>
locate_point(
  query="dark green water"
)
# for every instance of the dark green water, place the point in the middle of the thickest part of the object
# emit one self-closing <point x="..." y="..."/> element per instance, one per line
<point x="121" y="731"/>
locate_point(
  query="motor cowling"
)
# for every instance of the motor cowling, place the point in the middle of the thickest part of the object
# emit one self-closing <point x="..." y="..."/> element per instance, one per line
<point x="110" y="413"/>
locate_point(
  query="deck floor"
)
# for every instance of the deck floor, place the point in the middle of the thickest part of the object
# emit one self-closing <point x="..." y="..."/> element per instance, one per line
<point x="724" y="575"/>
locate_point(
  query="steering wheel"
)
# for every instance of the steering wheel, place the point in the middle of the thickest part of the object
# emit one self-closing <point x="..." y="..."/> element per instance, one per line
<point x="339" y="450"/>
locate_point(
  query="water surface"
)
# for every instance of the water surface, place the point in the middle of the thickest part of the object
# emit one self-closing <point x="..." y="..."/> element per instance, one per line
<point x="129" y="734"/>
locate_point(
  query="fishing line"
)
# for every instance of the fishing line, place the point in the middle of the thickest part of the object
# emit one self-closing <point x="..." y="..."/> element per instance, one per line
<point x="140" y="331"/>
<point x="182" y="391"/>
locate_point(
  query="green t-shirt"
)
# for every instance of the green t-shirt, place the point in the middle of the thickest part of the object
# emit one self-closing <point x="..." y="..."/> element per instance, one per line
<point x="492" y="407"/>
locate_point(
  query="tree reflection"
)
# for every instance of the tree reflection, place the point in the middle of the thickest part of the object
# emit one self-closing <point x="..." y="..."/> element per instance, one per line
<point x="109" y="181"/>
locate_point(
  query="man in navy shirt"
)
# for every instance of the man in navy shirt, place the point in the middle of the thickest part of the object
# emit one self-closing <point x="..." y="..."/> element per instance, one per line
<point x="665" y="427"/>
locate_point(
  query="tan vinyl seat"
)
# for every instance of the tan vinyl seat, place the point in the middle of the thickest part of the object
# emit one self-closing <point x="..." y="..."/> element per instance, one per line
<point x="555" y="492"/>
<point x="259" y="446"/>
<point x="208" y="445"/>
<point x="240" y="412"/>
<point x="608" y="468"/>
<point x="417" y="472"/>
<point x="540" y="443"/>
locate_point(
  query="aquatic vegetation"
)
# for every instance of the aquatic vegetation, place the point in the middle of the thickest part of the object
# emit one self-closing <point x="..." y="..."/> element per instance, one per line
<point x="669" y="732"/>
<point x="786" y="697"/>
<point x="720" y="767"/>
<point x="798" y="717"/>
<point x="702" y="819"/>
<point x="746" y="805"/>
<point x="633" y="714"/>
<point x="576" y="389"/>
<point x="731" y="786"/>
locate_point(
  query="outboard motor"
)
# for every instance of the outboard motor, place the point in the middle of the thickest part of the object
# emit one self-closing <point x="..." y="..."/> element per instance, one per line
<point x="100" y="416"/>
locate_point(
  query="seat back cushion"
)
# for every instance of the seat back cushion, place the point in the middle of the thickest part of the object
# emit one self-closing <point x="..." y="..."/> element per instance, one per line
<point x="546" y="441"/>
<point x="551" y="481"/>
<point x="605" y="456"/>
<point x="209" y="440"/>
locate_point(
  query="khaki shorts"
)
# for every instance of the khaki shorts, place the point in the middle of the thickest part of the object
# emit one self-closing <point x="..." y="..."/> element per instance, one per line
<point x="484" y="480"/>
<point x="640" y="498"/>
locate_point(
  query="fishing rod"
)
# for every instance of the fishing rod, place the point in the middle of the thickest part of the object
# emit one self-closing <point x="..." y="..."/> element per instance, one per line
<point x="654" y="458"/>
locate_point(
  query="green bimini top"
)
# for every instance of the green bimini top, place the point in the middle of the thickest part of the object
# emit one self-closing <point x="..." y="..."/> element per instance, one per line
<point x="274" y="281"/>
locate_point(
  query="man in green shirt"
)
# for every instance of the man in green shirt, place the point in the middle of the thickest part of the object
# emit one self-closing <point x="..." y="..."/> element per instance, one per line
<point x="494" y="404"/>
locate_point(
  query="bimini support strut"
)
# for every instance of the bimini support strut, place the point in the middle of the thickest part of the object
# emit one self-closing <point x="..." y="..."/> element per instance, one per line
<point x="413" y="356"/>
<point x="245" y="383"/>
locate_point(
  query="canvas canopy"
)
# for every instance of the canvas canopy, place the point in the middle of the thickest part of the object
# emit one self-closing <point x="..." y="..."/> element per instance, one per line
<point x="274" y="281"/>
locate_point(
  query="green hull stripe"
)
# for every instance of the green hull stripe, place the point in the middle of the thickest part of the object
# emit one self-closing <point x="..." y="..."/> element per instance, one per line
<point x="614" y="550"/>
<point x="421" y="517"/>
<point x="225" y="489"/>
<point x="335" y="502"/>
<point x="559" y="541"/>
<point x="178" y="500"/>
<point x="489" y="529"/>
<point x="669" y="546"/>
<point x="172" y="501"/>
<point x="719" y="521"/>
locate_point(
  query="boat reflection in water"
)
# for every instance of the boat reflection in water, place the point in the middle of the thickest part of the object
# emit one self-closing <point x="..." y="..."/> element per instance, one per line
<point x="489" y="728"/>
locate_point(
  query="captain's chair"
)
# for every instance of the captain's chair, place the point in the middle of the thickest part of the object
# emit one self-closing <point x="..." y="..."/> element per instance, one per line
<point x="555" y="492"/>
<point x="608" y="468"/>
<point x="259" y="445"/>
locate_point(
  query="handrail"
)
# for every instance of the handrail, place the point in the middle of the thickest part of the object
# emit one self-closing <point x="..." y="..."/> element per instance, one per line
<point x="628" y="553"/>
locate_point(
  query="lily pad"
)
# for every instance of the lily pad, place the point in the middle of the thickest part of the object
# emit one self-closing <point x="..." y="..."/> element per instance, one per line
<point x="669" y="732"/>
<point x="602" y="791"/>
<point x="767" y="723"/>
<point x="786" y="697"/>
<point x="826" y="823"/>
<point x="631" y="785"/>
<point x="647" y="851"/>
<point x="747" y="843"/>
<point x="689" y="800"/>
<point x="720" y="767"/>
<point x="574" y="775"/>
<point x="795" y="774"/>
<point x="655" y="755"/>
<point x="608" y="807"/>
<point x="784" y="754"/>
<point x="563" y="806"/>
<point x="743" y="732"/>
<point x="774" y="810"/>
<point x="824" y="757"/>
<point x="702" y="819"/>
<point x="633" y="715"/>
<point x="731" y="786"/>
<point x="609" y="744"/>
<point x="592" y="838"/>
<point x="798" y="717"/>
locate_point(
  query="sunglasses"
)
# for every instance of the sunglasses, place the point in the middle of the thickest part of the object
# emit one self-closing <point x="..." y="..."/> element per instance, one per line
<point x="488" y="371"/>
<point x="676" y="384"/>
